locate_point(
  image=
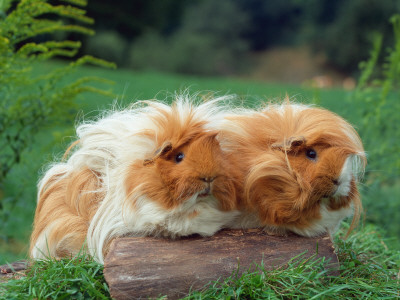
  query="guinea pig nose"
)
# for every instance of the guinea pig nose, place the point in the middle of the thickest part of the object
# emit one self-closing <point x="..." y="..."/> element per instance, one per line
<point x="335" y="181"/>
<point x="207" y="179"/>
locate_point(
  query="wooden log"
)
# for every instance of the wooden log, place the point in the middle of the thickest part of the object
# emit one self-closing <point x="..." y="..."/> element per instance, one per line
<point x="142" y="267"/>
<point x="13" y="269"/>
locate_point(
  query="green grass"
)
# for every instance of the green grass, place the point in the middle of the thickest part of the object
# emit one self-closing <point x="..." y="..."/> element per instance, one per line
<point x="368" y="270"/>
<point x="78" y="278"/>
<point x="131" y="86"/>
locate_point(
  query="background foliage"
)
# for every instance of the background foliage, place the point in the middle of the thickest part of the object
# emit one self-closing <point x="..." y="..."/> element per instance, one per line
<point x="377" y="97"/>
<point x="209" y="41"/>
<point x="340" y="30"/>
<point x="30" y="100"/>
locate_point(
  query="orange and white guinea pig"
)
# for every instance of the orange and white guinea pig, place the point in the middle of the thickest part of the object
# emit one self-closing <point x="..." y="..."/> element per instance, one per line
<point x="302" y="165"/>
<point x="153" y="169"/>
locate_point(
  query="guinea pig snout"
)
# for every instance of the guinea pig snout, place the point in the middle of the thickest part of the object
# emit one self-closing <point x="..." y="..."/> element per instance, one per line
<point x="205" y="192"/>
<point x="341" y="189"/>
<point x="335" y="184"/>
<point x="207" y="179"/>
<point x="207" y="183"/>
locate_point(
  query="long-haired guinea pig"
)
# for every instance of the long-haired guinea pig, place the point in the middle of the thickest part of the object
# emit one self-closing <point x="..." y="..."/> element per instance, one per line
<point x="302" y="165"/>
<point x="153" y="170"/>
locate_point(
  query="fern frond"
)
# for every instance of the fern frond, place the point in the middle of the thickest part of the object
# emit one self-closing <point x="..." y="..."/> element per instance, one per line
<point x="31" y="100"/>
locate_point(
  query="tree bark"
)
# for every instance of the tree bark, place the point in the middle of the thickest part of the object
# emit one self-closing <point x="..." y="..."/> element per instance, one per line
<point x="142" y="267"/>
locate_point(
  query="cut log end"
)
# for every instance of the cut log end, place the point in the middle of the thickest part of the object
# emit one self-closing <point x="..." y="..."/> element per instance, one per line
<point x="143" y="267"/>
<point x="13" y="270"/>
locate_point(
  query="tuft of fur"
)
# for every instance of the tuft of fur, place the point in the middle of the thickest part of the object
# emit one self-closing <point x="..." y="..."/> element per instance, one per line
<point x="153" y="169"/>
<point x="67" y="201"/>
<point x="284" y="190"/>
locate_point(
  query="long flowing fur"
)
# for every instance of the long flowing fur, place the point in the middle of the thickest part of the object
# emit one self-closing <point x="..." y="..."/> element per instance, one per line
<point x="122" y="178"/>
<point x="68" y="199"/>
<point x="186" y="168"/>
<point x="283" y="188"/>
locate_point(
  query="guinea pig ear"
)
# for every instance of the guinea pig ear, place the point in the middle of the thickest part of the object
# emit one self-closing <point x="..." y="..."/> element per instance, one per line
<point x="291" y="144"/>
<point x="162" y="151"/>
<point x="212" y="136"/>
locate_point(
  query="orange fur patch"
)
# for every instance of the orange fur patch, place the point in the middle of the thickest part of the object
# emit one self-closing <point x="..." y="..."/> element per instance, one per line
<point x="69" y="202"/>
<point x="193" y="214"/>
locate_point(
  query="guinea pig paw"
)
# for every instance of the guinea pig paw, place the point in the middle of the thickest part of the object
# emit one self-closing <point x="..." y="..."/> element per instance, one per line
<point x="275" y="231"/>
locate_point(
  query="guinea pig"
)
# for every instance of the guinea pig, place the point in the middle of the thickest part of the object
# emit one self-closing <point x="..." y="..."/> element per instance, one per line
<point x="301" y="167"/>
<point x="153" y="169"/>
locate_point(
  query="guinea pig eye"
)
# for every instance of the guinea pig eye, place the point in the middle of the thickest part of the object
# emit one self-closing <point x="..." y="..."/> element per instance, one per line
<point x="179" y="157"/>
<point x="311" y="154"/>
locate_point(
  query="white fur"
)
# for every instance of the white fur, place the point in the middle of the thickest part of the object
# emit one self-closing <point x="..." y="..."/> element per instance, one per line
<point x="344" y="180"/>
<point x="41" y="249"/>
<point x="113" y="219"/>
<point x="109" y="146"/>
<point x="329" y="222"/>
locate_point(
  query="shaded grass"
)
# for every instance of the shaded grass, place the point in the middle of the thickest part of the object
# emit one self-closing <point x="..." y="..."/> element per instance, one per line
<point x="368" y="270"/>
<point x="77" y="278"/>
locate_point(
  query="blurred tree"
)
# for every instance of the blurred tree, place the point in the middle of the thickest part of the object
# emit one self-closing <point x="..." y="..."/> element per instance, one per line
<point x="131" y="18"/>
<point x="109" y="45"/>
<point x="343" y="30"/>
<point x="210" y="39"/>
<point x="208" y="42"/>
<point x="270" y="22"/>
<point x="119" y="25"/>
